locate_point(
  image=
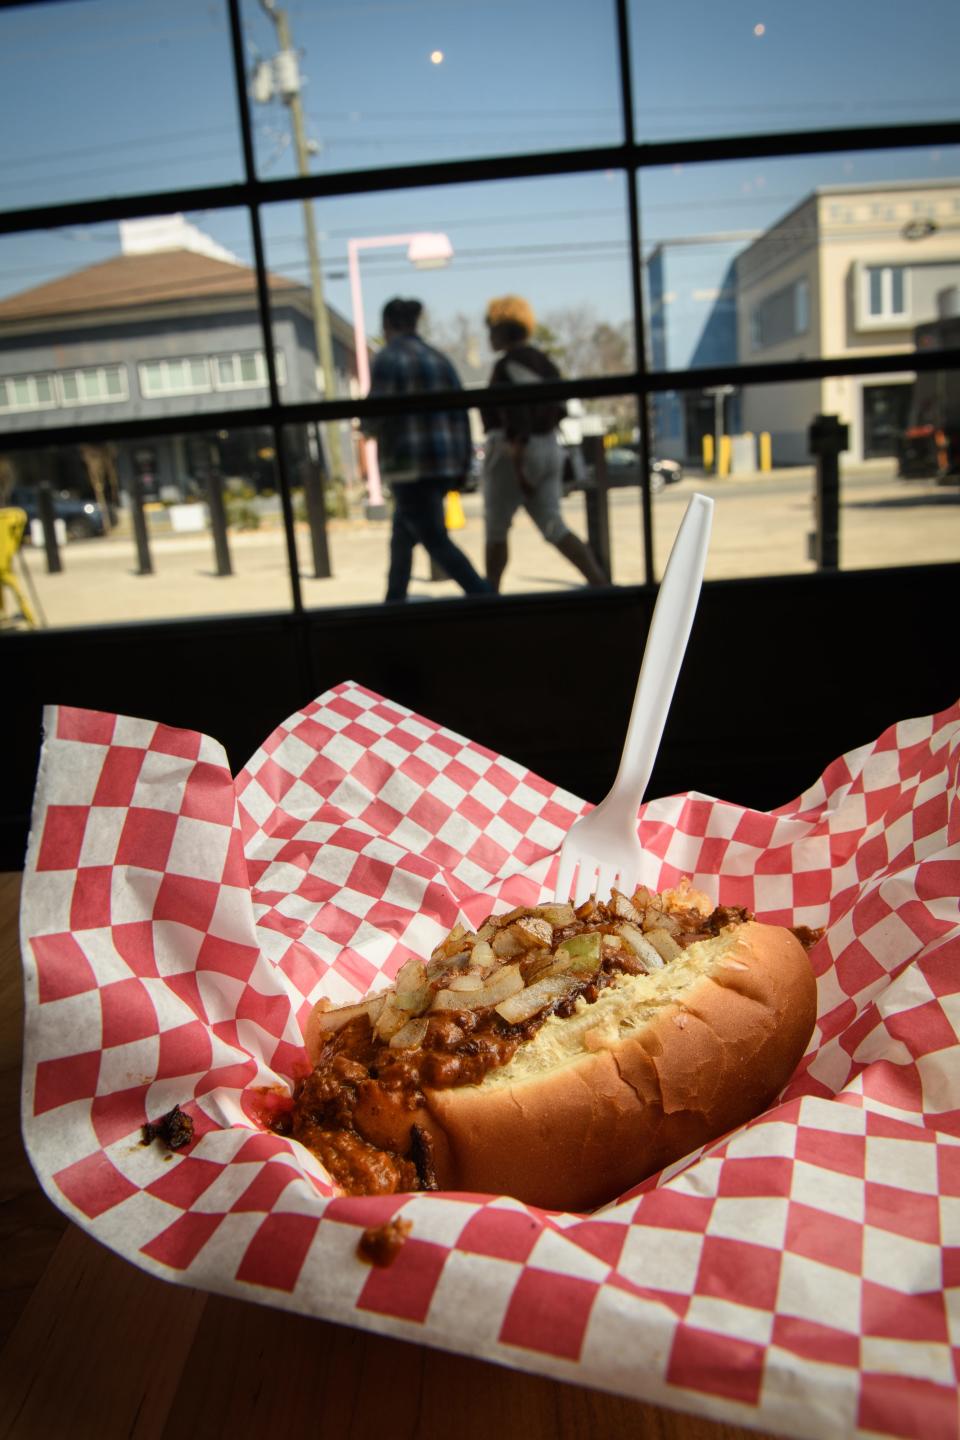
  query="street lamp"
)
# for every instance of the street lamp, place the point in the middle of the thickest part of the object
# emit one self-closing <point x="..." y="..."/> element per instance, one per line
<point x="427" y="251"/>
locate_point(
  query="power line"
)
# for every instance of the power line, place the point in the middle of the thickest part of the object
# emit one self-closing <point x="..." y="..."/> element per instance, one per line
<point x="42" y="45"/>
<point x="137" y="142"/>
<point x="122" y="169"/>
<point x="385" y="264"/>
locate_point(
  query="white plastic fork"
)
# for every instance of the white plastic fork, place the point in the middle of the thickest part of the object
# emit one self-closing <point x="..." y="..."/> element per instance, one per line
<point x="602" y="848"/>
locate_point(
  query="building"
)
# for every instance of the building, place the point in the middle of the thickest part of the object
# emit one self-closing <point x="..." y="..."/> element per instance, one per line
<point x="850" y="271"/>
<point x="172" y="317"/>
<point x="692" y="320"/>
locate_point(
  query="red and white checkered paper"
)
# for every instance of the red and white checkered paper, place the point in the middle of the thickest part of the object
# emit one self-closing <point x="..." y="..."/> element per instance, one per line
<point x="802" y="1275"/>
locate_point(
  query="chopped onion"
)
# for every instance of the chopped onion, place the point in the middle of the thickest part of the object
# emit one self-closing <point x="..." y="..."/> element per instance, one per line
<point x="535" y="965"/>
<point x="506" y="944"/>
<point x="482" y="955"/>
<point x="472" y="980"/>
<point x="505" y="981"/>
<point x="532" y="932"/>
<point x="410" y="1034"/>
<point x="390" y="1019"/>
<point x="337" y="1016"/>
<point x="623" y="908"/>
<point x="641" y="946"/>
<point x="516" y="913"/>
<point x="443" y="964"/>
<point x="455" y="941"/>
<point x="529" y="1001"/>
<point x="557" y="915"/>
<point x="414" y="1001"/>
<point x="664" y="943"/>
<point x="411" y="975"/>
<point x="656" y="919"/>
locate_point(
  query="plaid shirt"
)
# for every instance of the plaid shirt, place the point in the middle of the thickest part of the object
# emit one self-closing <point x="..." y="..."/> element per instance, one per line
<point x="417" y="445"/>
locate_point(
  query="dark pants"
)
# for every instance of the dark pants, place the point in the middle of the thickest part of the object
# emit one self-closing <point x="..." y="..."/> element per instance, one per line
<point x="418" y="520"/>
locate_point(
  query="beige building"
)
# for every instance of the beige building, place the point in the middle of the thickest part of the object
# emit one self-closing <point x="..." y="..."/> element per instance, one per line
<point x="839" y="275"/>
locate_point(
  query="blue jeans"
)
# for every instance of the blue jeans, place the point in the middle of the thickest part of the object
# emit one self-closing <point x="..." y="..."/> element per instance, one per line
<point x="418" y="520"/>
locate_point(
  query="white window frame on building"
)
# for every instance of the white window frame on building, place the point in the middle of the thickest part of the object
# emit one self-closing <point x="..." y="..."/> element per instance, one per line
<point x="167" y="389"/>
<point x="236" y="359"/>
<point x="867" y="317"/>
<point x="11" y="406"/>
<point x="89" y="374"/>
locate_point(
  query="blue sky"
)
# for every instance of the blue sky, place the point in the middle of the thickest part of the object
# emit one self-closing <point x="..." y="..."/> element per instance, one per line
<point x="117" y="96"/>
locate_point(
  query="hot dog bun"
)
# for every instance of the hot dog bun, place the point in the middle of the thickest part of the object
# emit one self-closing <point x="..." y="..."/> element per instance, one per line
<point x="657" y="1066"/>
<point x="444" y="1081"/>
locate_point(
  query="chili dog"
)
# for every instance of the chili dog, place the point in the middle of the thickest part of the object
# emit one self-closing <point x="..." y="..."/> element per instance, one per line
<point x="557" y="1055"/>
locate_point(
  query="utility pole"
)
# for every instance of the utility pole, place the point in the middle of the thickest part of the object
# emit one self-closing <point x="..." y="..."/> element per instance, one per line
<point x="286" y="82"/>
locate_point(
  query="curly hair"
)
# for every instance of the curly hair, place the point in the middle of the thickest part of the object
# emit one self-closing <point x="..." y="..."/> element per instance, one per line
<point x="512" y="310"/>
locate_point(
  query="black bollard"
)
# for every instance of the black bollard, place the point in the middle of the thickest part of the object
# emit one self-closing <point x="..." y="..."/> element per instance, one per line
<point x="827" y="438"/>
<point x="597" y="503"/>
<point x="144" y="561"/>
<point x="315" y="500"/>
<point x="48" y="520"/>
<point x="218" y="522"/>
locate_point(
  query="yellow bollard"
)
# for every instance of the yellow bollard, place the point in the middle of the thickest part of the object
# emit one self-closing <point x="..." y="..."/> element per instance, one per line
<point x="708" y="452"/>
<point x="766" y="452"/>
<point x="453" y="516"/>
<point x="723" y="460"/>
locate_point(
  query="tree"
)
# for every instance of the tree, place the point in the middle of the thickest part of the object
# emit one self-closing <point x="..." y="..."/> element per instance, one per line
<point x="585" y="346"/>
<point x="460" y="338"/>
<point x="578" y="343"/>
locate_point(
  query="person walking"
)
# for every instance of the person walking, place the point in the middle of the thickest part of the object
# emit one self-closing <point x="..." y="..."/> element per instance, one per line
<point x="524" y="463"/>
<point x="422" y="454"/>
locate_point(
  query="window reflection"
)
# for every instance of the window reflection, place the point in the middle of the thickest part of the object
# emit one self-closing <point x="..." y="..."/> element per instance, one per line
<point x="163" y="526"/>
<point x="703" y="71"/>
<point x="98" y="95"/>
<point x="372" y="85"/>
<point x="830" y="267"/>
<point x="146" y="319"/>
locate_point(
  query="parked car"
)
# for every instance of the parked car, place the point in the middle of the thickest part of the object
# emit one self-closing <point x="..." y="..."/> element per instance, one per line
<point x="82" y="518"/>
<point x="623" y="468"/>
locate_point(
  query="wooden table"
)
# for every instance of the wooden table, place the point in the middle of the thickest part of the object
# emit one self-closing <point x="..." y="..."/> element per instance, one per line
<point x="92" y="1346"/>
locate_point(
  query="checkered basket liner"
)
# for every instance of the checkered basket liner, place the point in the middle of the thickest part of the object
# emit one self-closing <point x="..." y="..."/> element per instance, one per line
<point x="801" y="1275"/>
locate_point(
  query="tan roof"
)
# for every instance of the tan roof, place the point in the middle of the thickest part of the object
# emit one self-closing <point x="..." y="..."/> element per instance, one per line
<point x="129" y="280"/>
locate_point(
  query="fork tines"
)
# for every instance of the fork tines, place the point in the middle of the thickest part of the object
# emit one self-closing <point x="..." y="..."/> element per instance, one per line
<point x="579" y="877"/>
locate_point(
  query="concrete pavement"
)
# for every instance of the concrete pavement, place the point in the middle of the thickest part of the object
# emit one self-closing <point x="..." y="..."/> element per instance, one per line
<point x="761" y="525"/>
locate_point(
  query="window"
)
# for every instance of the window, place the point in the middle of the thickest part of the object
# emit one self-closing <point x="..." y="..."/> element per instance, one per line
<point x="187" y="376"/>
<point x="886" y="292"/>
<point x="683" y="237"/>
<point x="781" y="316"/>
<point x="27" y="392"/>
<point x="801" y="307"/>
<point x="95" y="385"/>
<point x="245" y="371"/>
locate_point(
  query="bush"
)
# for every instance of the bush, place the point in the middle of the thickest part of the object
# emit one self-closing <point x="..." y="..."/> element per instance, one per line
<point x="336" y="501"/>
<point x="242" y="516"/>
<point x="235" y="487"/>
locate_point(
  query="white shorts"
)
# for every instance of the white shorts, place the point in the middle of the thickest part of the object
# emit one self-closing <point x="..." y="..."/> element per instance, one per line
<point x="502" y="495"/>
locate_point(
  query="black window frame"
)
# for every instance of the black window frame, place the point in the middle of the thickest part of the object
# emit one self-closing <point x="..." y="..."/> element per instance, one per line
<point x="629" y="158"/>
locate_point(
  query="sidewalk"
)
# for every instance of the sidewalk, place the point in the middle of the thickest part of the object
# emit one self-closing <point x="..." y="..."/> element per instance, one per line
<point x="759" y="529"/>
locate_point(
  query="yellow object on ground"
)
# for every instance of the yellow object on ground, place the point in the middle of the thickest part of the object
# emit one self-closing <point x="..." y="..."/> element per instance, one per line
<point x="723" y="459"/>
<point x="766" y="451"/>
<point x="13" y="522"/>
<point x="708" y="452"/>
<point x="453" y="516"/>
